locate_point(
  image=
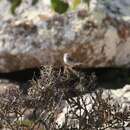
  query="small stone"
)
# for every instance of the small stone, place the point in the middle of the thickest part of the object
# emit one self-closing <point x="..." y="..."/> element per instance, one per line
<point x="9" y="88"/>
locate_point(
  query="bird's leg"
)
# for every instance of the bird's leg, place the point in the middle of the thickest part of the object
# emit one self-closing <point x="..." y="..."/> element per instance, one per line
<point x="68" y="70"/>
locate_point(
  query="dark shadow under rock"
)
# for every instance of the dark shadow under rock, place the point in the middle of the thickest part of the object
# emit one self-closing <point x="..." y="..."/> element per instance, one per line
<point x="109" y="77"/>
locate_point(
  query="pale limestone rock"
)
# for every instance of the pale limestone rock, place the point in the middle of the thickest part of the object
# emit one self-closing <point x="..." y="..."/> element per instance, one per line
<point x="25" y="45"/>
<point x="41" y="39"/>
<point x="123" y="53"/>
<point x="110" y="41"/>
<point x="8" y="88"/>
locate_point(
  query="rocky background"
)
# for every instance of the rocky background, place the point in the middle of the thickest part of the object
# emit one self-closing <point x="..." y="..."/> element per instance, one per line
<point x="97" y="38"/>
<point x="37" y="36"/>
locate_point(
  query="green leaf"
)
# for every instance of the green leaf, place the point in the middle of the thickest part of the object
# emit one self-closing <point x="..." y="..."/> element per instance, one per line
<point x="14" y="5"/>
<point x="75" y="3"/>
<point x="34" y="2"/>
<point x="59" y="6"/>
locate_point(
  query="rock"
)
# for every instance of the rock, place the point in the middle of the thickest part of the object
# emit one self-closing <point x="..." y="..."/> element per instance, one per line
<point x="43" y="39"/>
<point x="12" y="62"/>
<point x="115" y="8"/>
<point x="25" y="45"/>
<point x="8" y="88"/>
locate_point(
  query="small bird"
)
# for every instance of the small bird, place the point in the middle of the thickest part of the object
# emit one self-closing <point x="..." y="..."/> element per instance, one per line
<point x="68" y="60"/>
<point x="70" y="63"/>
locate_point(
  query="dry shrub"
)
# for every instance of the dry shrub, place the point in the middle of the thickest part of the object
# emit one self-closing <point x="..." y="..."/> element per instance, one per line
<point x="46" y="100"/>
<point x="94" y="111"/>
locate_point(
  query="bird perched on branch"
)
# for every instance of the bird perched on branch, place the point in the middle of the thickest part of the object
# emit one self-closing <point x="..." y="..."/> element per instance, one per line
<point x="68" y="60"/>
<point x="71" y="63"/>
